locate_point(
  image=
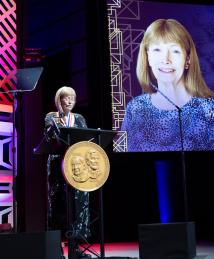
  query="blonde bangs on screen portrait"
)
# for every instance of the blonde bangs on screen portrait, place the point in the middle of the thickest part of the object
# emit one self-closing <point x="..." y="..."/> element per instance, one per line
<point x="63" y="92"/>
<point x="170" y="30"/>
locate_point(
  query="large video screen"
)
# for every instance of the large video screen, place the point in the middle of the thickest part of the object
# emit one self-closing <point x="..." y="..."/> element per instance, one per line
<point x="162" y="75"/>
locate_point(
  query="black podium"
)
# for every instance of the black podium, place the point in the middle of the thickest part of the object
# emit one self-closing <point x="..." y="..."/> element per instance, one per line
<point x="60" y="139"/>
<point x="65" y="137"/>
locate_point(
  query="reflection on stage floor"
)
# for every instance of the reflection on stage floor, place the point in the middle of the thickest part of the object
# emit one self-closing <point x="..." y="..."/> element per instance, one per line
<point x="205" y="250"/>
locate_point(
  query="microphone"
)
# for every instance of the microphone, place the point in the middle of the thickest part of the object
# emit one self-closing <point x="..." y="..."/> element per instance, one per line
<point x="182" y="148"/>
<point x="166" y="97"/>
<point x="179" y="114"/>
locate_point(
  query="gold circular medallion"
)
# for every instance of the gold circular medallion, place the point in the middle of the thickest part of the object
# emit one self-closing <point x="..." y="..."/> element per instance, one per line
<point x="86" y="166"/>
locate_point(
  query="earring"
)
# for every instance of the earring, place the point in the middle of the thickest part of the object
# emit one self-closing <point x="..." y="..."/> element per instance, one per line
<point x="187" y="66"/>
<point x="187" y="63"/>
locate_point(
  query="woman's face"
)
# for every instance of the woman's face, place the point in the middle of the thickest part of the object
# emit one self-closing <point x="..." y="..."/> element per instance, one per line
<point x="167" y="61"/>
<point x="68" y="102"/>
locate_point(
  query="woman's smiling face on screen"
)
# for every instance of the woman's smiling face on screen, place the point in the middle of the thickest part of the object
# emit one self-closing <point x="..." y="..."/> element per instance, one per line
<point x="167" y="61"/>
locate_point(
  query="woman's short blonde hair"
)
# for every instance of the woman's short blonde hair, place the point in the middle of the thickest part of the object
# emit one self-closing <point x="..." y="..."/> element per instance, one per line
<point x="63" y="92"/>
<point x="170" y="30"/>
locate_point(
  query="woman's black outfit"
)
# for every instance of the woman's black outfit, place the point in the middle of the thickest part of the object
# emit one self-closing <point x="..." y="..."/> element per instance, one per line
<point x="57" y="190"/>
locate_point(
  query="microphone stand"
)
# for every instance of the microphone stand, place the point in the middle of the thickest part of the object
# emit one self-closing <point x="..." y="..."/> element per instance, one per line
<point x="182" y="151"/>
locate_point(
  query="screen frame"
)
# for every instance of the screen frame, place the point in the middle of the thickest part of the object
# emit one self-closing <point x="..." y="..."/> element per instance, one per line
<point x="123" y="68"/>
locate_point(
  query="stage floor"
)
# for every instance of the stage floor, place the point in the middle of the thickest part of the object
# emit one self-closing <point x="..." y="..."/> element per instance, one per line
<point x="205" y="250"/>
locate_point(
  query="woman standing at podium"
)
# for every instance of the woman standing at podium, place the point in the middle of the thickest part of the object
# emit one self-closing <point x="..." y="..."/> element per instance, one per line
<point x="65" y="100"/>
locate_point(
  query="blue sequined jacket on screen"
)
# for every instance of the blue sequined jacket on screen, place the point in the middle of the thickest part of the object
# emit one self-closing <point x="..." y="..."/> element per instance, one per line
<point x="151" y="129"/>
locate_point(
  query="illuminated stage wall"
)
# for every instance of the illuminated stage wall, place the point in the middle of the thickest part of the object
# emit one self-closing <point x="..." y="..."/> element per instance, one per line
<point x="124" y="41"/>
<point x="8" y="61"/>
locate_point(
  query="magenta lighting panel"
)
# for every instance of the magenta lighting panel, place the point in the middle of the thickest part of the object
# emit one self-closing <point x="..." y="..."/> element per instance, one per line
<point x="8" y="63"/>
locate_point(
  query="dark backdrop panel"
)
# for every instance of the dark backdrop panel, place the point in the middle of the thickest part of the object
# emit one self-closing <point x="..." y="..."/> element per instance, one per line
<point x="131" y="195"/>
